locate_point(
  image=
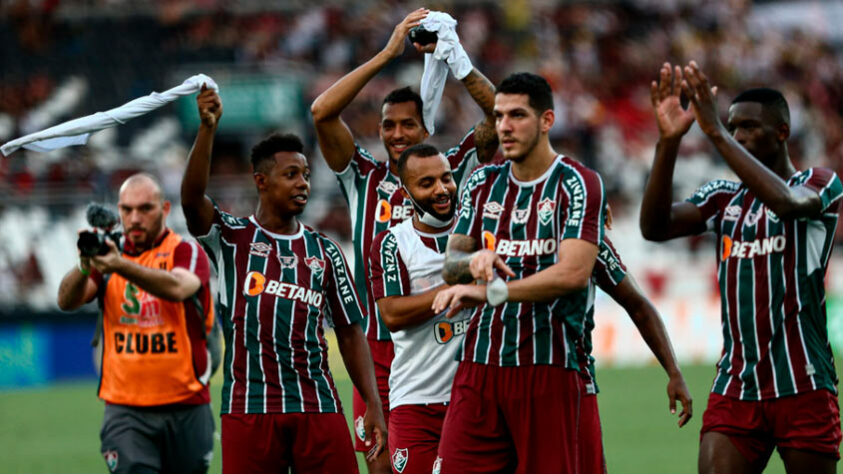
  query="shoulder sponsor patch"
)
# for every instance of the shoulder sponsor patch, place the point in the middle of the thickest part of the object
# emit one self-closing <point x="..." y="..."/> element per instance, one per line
<point x="492" y="210"/>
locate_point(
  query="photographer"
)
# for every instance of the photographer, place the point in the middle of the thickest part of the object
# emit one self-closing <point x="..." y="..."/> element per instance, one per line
<point x="157" y="317"/>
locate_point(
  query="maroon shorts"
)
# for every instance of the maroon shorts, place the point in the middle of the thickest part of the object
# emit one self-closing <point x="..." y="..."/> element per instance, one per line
<point x="591" y="436"/>
<point x="414" y="432"/>
<point x="382" y="354"/>
<point x="807" y="421"/>
<point x="276" y="442"/>
<point x="512" y="419"/>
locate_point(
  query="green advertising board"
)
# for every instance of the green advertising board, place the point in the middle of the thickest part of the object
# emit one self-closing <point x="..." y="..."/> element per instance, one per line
<point x="251" y="103"/>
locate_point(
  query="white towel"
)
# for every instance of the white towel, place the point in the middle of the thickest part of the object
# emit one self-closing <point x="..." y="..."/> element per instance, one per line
<point x="77" y="131"/>
<point x="449" y="53"/>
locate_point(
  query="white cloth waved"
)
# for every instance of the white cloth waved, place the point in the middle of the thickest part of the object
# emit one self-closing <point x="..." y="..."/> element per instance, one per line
<point x="77" y="131"/>
<point x="449" y="53"/>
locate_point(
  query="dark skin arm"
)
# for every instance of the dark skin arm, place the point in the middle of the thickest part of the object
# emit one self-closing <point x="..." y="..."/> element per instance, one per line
<point x="76" y="288"/>
<point x="485" y="136"/>
<point x="788" y="203"/>
<point x="649" y="324"/>
<point x="401" y="312"/>
<point x="358" y="361"/>
<point x="335" y="139"/>
<point x="197" y="207"/>
<point x="662" y="218"/>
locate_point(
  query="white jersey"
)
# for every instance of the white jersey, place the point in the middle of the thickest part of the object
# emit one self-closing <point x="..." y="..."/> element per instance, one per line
<point x="405" y="261"/>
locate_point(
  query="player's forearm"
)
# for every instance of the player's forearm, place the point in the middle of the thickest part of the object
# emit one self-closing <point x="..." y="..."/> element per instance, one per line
<point x="770" y="189"/>
<point x="482" y="91"/>
<point x="72" y="294"/>
<point x="336" y="98"/>
<point x="658" y="192"/>
<point x="547" y="285"/>
<point x="401" y="312"/>
<point x="651" y="328"/>
<point x="358" y="362"/>
<point x="457" y="267"/>
<point x="198" y="209"/>
<point x="160" y="283"/>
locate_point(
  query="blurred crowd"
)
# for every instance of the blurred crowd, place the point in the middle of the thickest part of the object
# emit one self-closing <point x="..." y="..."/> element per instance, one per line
<point x="600" y="58"/>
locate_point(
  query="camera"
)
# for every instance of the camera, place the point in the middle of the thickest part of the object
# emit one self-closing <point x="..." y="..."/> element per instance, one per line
<point x="92" y="243"/>
<point x="422" y="36"/>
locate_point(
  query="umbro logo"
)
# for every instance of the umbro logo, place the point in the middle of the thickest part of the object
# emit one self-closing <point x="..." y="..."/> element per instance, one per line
<point x="492" y="210"/>
<point x="732" y="213"/>
<point x="388" y="187"/>
<point x="260" y="249"/>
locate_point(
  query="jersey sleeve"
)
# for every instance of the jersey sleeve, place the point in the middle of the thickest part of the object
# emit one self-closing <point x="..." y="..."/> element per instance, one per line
<point x="609" y="270"/>
<point x="467" y="216"/>
<point x="220" y="224"/>
<point x="463" y="158"/>
<point x="388" y="275"/>
<point x="354" y="175"/>
<point x="343" y="301"/>
<point x="190" y="256"/>
<point x="585" y="214"/>
<point x="711" y="198"/>
<point x="826" y="184"/>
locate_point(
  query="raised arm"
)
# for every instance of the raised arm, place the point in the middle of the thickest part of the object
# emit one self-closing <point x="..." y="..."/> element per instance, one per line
<point x="788" y="203"/>
<point x="483" y="92"/>
<point x="661" y="218"/>
<point x="649" y="324"/>
<point x="334" y="136"/>
<point x="197" y="207"/>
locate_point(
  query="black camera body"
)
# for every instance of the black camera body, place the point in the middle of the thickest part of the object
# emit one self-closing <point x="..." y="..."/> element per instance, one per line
<point x="422" y="36"/>
<point x="93" y="243"/>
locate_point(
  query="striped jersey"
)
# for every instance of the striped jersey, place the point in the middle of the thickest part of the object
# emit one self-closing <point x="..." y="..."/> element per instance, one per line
<point x="609" y="271"/>
<point x="375" y="202"/>
<point x="771" y="274"/>
<point x="524" y="222"/>
<point x="406" y="261"/>
<point x="274" y="293"/>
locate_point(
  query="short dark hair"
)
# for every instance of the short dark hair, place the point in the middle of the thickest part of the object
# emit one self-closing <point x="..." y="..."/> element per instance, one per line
<point x="265" y="150"/>
<point x="770" y="99"/>
<point x="421" y="150"/>
<point x="405" y="94"/>
<point x="533" y="86"/>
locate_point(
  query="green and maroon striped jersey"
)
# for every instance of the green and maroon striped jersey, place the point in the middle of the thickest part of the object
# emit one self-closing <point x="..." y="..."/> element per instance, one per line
<point x="524" y="222"/>
<point x="609" y="271"/>
<point x="274" y="293"/>
<point x="375" y="202"/>
<point x="771" y="273"/>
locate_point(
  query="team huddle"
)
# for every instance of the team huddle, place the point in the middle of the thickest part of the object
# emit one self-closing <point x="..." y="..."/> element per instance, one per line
<point x="466" y="321"/>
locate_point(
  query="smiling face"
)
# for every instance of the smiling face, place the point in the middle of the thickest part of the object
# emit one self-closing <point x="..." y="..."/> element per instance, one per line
<point x="519" y="126"/>
<point x="757" y="130"/>
<point x="284" y="185"/>
<point x="400" y="128"/>
<point x="143" y="211"/>
<point x="431" y="184"/>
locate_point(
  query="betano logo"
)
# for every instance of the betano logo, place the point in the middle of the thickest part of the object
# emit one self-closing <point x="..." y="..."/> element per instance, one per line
<point x="755" y="248"/>
<point x="444" y="331"/>
<point x="386" y="212"/>
<point x="526" y="248"/>
<point x="256" y="283"/>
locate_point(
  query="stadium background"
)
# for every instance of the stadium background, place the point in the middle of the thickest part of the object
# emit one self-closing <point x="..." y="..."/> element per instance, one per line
<point x="64" y="59"/>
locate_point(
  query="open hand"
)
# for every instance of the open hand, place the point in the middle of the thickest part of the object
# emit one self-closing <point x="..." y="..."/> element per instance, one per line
<point x="210" y="107"/>
<point x="109" y="262"/>
<point x="483" y="265"/>
<point x="673" y="120"/>
<point x="395" y="46"/>
<point x="702" y="96"/>
<point x="375" y="427"/>
<point x="676" y="389"/>
<point x="457" y="298"/>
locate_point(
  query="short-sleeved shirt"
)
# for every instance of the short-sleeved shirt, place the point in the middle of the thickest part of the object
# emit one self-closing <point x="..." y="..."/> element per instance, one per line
<point x="375" y="202"/>
<point x="524" y="223"/>
<point x="406" y="261"/>
<point x="609" y="271"/>
<point x="275" y="291"/>
<point x="771" y="273"/>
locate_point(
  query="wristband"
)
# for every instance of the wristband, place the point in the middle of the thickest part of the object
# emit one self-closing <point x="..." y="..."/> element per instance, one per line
<point x="497" y="292"/>
<point x="82" y="270"/>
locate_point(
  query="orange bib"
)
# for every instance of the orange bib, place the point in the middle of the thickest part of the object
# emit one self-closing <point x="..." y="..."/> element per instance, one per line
<point x="147" y="355"/>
